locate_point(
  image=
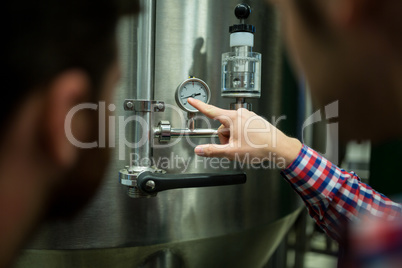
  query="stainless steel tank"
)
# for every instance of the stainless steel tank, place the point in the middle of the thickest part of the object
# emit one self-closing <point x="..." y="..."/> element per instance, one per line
<point x="228" y="226"/>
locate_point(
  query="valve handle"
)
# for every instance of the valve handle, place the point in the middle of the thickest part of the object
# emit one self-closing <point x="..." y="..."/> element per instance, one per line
<point x="151" y="183"/>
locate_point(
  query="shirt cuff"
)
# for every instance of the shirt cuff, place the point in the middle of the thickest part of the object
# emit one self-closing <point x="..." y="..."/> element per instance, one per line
<point x="297" y="162"/>
<point x="313" y="176"/>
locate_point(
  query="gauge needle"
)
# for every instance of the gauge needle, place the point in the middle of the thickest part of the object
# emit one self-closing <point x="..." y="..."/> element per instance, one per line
<point x="192" y="96"/>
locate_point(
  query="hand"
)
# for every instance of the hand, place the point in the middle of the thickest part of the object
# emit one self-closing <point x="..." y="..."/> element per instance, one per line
<point x="247" y="137"/>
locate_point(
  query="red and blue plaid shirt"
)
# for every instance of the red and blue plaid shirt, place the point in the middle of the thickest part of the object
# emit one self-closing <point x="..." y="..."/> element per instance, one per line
<point x="334" y="196"/>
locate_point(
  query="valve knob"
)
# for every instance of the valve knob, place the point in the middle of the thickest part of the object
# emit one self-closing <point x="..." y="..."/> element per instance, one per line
<point x="242" y="11"/>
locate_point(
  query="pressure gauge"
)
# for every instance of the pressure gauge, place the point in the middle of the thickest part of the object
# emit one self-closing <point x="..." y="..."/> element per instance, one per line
<point x="192" y="88"/>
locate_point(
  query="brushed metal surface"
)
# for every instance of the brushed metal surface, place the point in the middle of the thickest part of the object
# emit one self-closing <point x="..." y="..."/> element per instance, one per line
<point x="237" y="250"/>
<point x="190" y="38"/>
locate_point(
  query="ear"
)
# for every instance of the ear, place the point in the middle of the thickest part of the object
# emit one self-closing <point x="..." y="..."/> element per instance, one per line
<point x="67" y="90"/>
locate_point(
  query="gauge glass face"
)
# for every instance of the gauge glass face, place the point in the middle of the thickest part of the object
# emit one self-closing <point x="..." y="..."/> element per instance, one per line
<point x="192" y="89"/>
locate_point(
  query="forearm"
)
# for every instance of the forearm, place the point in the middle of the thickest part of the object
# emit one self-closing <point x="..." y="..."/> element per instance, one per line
<point x="333" y="195"/>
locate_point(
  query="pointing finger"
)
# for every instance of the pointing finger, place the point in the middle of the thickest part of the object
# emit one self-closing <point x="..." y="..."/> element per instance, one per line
<point x="211" y="111"/>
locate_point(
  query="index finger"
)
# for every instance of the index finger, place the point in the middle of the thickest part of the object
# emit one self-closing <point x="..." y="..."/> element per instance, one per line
<point x="211" y="111"/>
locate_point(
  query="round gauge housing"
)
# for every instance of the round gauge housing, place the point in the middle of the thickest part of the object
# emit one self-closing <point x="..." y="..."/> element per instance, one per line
<point x="192" y="88"/>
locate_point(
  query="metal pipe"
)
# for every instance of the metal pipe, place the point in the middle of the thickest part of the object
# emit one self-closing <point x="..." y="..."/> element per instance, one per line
<point x="145" y="75"/>
<point x="240" y="103"/>
<point x="196" y="133"/>
<point x="177" y="133"/>
<point x="242" y="51"/>
<point x="146" y="50"/>
<point x="191" y="121"/>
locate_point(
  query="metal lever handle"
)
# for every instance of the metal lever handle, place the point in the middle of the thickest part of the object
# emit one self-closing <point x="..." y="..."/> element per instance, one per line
<point x="151" y="183"/>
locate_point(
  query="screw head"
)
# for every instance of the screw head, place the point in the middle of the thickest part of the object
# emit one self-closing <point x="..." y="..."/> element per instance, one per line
<point x="150" y="185"/>
<point x="129" y="105"/>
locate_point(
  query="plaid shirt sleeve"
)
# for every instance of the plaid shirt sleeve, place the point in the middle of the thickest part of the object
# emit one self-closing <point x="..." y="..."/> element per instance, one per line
<point x="334" y="196"/>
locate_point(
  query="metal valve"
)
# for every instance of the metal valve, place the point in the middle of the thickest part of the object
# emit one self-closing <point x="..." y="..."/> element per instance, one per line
<point x="151" y="183"/>
<point x="147" y="182"/>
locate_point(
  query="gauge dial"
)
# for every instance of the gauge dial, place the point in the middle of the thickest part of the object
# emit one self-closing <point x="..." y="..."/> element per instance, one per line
<point x="192" y="88"/>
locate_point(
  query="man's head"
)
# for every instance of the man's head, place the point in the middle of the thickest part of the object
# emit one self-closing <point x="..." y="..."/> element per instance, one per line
<point x="349" y="50"/>
<point x="56" y="55"/>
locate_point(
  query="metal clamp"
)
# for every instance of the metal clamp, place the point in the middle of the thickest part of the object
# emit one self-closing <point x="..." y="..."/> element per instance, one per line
<point x="144" y="106"/>
<point x="163" y="131"/>
<point x="129" y="177"/>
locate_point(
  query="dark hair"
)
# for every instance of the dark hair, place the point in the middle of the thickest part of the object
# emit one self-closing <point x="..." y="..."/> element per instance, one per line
<point x="311" y="15"/>
<point x="45" y="37"/>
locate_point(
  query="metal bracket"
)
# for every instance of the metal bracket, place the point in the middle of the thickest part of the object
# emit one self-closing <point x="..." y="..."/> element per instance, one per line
<point x="144" y="106"/>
